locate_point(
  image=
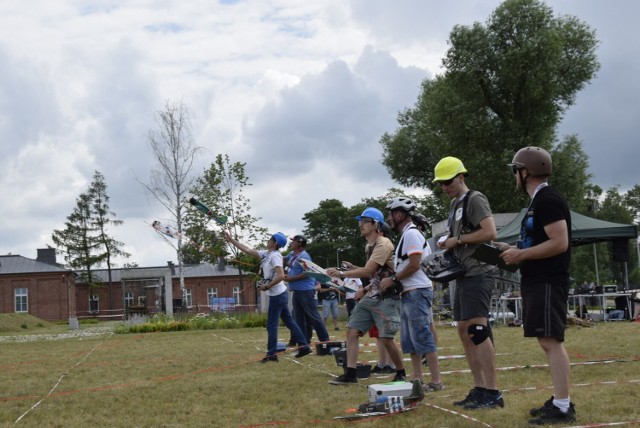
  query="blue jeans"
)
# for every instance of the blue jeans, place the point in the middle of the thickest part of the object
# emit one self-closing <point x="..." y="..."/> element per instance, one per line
<point x="304" y="303"/>
<point x="415" y="334"/>
<point x="279" y="309"/>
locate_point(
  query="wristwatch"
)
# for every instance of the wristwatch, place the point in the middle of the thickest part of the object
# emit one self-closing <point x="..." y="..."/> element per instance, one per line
<point x="394" y="278"/>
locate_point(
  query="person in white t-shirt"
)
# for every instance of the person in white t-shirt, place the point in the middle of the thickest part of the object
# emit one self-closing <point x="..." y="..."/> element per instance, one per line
<point x="274" y="287"/>
<point x="416" y="338"/>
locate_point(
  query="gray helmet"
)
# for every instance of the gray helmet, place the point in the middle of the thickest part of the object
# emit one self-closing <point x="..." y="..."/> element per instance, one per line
<point x="401" y="203"/>
<point x="536" y="159"/>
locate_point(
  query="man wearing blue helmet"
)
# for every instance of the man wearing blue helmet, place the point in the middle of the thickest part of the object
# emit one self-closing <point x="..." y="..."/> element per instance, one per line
<point x="375" y="307"/>
<point x="274" y="287"/>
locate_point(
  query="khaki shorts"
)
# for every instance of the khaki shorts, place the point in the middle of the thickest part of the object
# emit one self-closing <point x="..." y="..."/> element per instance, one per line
<point x="383" y="313"/>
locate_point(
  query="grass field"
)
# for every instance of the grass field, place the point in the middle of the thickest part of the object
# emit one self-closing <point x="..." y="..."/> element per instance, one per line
<point x="212" y="378"/>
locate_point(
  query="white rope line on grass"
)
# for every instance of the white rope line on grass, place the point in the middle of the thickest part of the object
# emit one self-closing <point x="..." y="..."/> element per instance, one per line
<point x="57" y="383"/>
<point x="607" y="424"/>
<point x="462" y="415"/>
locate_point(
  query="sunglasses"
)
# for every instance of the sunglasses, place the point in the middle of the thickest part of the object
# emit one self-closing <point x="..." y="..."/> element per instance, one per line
<point x="446" y="182"/>
<point x="515" y="169"/>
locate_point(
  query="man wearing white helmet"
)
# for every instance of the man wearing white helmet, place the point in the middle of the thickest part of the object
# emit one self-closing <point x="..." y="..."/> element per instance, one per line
<point x="416" y="337"/>
<point x="373" y="307"/>
<point x="470" y="224"/>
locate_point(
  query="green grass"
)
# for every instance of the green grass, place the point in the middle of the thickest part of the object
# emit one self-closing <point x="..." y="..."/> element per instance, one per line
<point x="212" y="378"/>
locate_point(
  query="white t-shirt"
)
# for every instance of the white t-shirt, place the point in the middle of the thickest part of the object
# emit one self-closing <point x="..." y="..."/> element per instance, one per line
<point x="353" y="283"/>
<point x="271" y="260"/>
<point x="412" y="242"/>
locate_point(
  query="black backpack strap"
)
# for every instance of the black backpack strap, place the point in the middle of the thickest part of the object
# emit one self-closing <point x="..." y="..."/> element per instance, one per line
<point x="403" y="257"/>
<point x="464" y="221"/>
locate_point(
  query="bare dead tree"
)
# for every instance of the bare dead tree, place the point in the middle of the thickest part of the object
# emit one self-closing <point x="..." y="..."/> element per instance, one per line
<point x="175" y="152"/>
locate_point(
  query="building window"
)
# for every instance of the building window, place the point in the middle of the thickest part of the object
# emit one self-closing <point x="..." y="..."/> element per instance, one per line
<point x="236" y="295"/>
<point x="211" y="294"/>
<point x="187" y="297"/>
<point x="142" y="301"/>
<point x="94" y="303"/>
<point x="22" y="299"/>
<point x="128" y="299"/>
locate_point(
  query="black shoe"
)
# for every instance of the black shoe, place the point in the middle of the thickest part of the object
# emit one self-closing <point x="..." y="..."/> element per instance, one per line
<point x="485" y="400"/>
<point x="377" y="370"/>
<point x="399" y="378"/>
<point x="268" y="358"/>
<point x="292" y="345"/>
<point x="470" y="396"/>
<point x="302" y="352"/>
<point x="343" y="380"/>
<point x="389" y="370"/>
<point x="539" y="410"/>
<point x="553" y="415"/>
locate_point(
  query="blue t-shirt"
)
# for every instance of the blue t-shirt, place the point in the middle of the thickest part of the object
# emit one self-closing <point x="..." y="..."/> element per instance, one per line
<point x="295" y="268"/>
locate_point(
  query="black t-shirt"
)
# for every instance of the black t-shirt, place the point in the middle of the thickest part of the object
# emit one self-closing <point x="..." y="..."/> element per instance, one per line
<point x="547" y="207"/>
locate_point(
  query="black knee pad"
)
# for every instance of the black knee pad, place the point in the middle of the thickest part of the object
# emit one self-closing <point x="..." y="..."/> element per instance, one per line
<point x="478" y="333"/>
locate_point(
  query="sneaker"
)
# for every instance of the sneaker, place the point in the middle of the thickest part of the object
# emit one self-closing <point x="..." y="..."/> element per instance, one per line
<point x="268" y="358"/>
<point x="292" y="345"/>
<point x="377" y="370"/>
<point x="389" y="370"/>
<point x="337" y="329"/>
<point x="343" y="380"/>
<point x="485" y="400"/>
<point x="399" y="378"/>
<point x="304" y="351"/>
<point x="431" y="387"/>
<point x="553" y="415"/>
<point x="470" y="396"/>
<point x="539" y="410"/>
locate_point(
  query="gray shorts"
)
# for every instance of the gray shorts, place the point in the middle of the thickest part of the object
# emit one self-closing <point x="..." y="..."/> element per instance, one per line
<point x="472" y="297"/>
<point x="384" y="313"/>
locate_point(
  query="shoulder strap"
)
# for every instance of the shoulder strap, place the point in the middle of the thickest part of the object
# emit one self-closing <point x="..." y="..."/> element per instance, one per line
<point x="402" y="257"/>
<point x="464" y="221"/>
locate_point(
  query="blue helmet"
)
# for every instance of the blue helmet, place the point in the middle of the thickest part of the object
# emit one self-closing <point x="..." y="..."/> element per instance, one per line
<point x="280" y="238"/>
<point x="372" y="213"/>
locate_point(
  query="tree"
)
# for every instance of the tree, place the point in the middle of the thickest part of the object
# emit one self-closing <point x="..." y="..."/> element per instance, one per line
<point x="175" y="152"/>
<point x="221" y="188"/>
<point x="506" y="85"/>
<point x="102" y="218"/>
<point x="78" y="240"/>
<point x="85" y="241"/>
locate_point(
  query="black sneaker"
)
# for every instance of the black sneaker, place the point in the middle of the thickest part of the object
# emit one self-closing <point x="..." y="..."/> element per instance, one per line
<point x="553" y="415"/>
<point x="470" y="396"/>
<point x="389" y="370"/>
<point x="343" y="380"/>
<point x="485" y="400"/>
<point x="539" y="410"/>
<point x="302" y="352"/>
<point x="377" y="370"/>
<point x="399" y="378"/>
<point x="268" y="358"/>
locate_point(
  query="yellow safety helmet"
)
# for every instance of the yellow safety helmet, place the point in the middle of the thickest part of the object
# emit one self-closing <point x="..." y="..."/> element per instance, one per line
<point x="448" y="168"/>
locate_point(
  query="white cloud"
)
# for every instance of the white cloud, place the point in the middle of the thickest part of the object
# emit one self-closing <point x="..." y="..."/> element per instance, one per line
<point x="300" y="91"/>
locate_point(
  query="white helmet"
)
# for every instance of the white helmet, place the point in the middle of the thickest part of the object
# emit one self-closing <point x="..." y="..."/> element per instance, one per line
<point x="401" y="203"/>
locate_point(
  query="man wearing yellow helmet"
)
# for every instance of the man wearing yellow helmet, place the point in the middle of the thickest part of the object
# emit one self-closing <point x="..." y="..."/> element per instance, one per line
<point x="470" y="224"/>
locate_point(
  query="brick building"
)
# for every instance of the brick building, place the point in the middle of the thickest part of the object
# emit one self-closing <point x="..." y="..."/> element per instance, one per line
<point x="44" y="289"/>
<point x="38" y="287"/>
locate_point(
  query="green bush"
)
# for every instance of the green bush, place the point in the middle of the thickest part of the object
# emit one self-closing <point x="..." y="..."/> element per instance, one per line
<point x="183" y="322"/>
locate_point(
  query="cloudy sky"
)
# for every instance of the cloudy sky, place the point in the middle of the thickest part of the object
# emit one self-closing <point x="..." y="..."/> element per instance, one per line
<point x="299" y="90"/>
